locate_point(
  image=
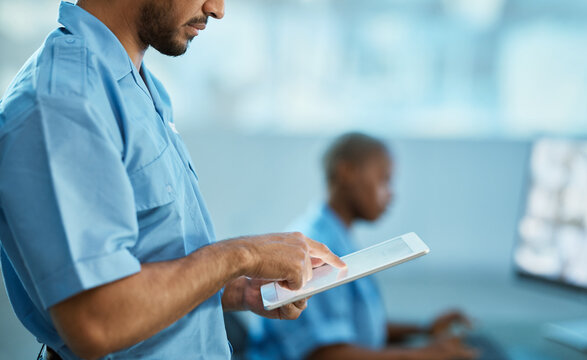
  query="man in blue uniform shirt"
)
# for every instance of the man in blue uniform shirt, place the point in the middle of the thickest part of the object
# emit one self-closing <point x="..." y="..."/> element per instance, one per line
<point x="107" y="248"/>
<point x="349" y="322"/>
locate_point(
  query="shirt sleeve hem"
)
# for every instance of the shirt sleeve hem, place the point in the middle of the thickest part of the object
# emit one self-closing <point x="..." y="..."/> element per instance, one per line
<point x="87" y="274"/>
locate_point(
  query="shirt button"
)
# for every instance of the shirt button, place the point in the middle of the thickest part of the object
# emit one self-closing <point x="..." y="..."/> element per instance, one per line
<point x="169" y="188"/>
<point x="70" y="41"/>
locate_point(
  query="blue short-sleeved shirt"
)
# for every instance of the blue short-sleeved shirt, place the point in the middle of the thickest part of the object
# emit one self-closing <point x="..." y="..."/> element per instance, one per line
<point x="350" y="314"/>
<point x="95" y="181"/>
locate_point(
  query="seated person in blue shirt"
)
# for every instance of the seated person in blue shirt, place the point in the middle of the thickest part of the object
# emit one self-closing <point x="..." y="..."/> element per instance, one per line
<point x="349" y="322"/>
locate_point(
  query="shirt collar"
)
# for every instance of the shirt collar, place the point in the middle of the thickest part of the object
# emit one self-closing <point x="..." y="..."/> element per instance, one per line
<point x="160" y="104"/>
<point x="337" y="222"/>
<point x="97" y="37"/>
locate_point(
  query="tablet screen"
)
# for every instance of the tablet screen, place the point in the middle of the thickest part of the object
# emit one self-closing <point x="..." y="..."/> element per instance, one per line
<point x="359" y="264"/>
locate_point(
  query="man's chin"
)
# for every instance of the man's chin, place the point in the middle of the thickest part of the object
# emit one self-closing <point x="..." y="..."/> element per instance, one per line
<point x="369" y="217"/>
<point x="376" y="216"/>
<point x="173" y="50"/>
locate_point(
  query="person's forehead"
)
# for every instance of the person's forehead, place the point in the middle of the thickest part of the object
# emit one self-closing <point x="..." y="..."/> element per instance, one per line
<point x="376" y="163"/>
<point x="381" y="156"/>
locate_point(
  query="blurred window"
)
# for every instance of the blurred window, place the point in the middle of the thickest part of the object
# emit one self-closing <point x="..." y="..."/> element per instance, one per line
<point x="413" y="68"/>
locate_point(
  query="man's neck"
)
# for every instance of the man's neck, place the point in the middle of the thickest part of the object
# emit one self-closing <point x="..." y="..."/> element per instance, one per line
<point x="341" y="208"/>
<point x="120" y="18"/>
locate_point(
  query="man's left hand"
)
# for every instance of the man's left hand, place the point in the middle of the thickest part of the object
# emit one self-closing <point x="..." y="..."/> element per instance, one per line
<point x="245" y="294"/>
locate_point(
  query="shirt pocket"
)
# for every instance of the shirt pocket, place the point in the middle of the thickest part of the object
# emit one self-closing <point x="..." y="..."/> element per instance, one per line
<point x="154" y="184"/>
<point x="159" y="211"/>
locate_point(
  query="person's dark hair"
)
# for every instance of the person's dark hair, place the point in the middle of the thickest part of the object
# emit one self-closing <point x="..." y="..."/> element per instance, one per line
<point x="352" y="147"/>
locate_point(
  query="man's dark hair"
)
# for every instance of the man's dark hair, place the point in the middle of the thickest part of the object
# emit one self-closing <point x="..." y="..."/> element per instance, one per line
<point x="353" y="148"/>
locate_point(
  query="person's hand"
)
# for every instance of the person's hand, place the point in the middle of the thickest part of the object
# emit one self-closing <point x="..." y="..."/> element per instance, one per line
<point x="253" y="302"/>
<point x="443" y="325"/>
<point x="287" y="257"/>
<point x="448" y="349"/>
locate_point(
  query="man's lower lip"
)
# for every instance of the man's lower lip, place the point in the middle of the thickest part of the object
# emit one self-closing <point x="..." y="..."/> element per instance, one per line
<point x="194" y="31"/>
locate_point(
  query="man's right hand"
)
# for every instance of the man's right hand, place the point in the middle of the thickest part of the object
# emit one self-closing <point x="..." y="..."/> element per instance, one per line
<point x="286" y="257"/>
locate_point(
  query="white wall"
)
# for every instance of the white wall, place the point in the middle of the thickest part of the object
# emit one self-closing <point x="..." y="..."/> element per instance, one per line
<point x="461" y="196"/>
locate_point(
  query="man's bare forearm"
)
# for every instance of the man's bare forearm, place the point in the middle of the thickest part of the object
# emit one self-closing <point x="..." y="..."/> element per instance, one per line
<point x="352" y="352"/>
<point x="120" y="314"/>
<point x="399" y="332"/>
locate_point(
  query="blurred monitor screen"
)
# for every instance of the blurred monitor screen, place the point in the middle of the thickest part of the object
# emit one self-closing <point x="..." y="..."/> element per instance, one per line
<point x="552" y="232"/>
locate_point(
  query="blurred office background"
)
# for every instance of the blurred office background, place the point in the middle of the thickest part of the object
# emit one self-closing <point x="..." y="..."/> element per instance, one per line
<point x="459" y="88"/>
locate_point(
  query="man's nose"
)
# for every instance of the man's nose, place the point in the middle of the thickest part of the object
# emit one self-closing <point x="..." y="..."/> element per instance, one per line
<point x="214" y="8"/>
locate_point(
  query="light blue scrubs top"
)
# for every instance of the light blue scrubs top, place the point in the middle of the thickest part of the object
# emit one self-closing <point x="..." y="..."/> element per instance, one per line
<point x="351" y="314"/>
<point x="95" y="181"/>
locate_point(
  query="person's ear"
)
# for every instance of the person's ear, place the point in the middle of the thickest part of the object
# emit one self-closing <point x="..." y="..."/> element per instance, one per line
<point x="345" y="172"/>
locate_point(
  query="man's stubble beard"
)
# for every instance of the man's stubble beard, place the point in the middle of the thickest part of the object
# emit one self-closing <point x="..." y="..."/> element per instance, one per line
<point x="156" y="28"/>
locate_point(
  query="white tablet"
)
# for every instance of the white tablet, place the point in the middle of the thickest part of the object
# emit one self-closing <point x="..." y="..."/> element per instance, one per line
<point x="359" y="264"/>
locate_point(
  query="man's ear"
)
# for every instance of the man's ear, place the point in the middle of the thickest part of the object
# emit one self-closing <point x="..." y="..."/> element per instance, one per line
<point x="345" y="172"/>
